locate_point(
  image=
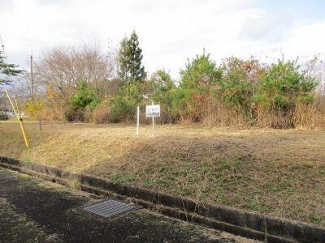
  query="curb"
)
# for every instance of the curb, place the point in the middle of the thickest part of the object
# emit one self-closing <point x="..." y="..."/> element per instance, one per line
<point x="232" y="220"/>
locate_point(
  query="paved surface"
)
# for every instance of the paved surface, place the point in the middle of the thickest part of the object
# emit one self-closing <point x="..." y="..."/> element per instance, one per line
<point x="33" y="210"/>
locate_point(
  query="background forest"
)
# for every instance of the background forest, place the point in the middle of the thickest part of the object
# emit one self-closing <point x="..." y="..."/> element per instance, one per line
<point x="80" y="83"/>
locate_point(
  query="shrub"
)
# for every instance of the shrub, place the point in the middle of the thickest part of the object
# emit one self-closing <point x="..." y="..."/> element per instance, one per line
<point x="282" y="88"/>
<point x="3" y="117"/>
<point x="74" y="115"/>
<point x="34" y="107"/>
<point x="162" y="91"/>
<point x="128" y="98"/>
<point x="84" y="96"/>
<point x="239" y="80"/>
<point x="102" y="113"/>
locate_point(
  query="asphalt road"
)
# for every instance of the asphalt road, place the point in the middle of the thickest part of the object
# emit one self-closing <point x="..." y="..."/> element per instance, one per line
<point x="33" y="210"/>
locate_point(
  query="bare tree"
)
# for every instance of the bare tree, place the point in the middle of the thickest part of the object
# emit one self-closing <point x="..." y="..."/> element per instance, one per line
<point x="63" y="67"/>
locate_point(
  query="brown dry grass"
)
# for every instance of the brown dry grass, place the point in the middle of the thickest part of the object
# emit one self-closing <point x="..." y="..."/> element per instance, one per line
<point x="276" y="172"/>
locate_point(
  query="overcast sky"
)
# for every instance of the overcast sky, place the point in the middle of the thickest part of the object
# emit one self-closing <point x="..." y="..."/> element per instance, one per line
<point x="170" y="31"/>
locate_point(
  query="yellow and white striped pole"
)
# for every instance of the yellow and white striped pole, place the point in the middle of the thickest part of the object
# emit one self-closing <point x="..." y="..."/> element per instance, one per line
<point x="18" y="117"/>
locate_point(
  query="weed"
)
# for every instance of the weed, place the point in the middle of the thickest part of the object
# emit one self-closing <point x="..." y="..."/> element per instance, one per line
<point x="259" y="206"/>
<point x="291" y="190"/>
<point x="27" y="159"/>
<point x="120" y="178"/>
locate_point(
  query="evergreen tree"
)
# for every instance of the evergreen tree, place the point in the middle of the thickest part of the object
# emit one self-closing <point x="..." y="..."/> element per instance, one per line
<point x="7" y="69"/>
<point x="130" y="57"/>
<point x="283" y="87"/>
<point x="200" y="80"/>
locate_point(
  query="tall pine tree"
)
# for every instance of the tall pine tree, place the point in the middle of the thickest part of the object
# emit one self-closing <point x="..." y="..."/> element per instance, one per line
<point x="7" y="70"/>
<point x="130" y="58"/>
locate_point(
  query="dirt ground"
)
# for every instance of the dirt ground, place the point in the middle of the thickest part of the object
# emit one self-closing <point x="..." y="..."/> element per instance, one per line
<point x="276" y="172"/>
<point x="33" y="210"/>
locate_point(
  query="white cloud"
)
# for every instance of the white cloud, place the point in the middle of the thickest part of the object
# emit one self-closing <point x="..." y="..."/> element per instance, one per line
<point x="264" y="26"/>
<point x="306" y="39"/>
<point x="169" y="31"/>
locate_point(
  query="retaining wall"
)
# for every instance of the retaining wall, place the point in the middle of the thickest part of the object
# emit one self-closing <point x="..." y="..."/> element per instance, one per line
<point x="232" y="220"/>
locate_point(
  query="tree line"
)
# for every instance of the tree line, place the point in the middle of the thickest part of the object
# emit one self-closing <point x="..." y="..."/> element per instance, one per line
<point x="82" y="84"/>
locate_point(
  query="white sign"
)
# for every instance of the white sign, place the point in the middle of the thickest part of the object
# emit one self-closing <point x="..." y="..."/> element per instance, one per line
<point x="153" y="111"/>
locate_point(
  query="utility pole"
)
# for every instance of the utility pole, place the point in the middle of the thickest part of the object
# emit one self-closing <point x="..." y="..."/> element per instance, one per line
<point x="33" y="89"/>
<point x="32" y="76"/>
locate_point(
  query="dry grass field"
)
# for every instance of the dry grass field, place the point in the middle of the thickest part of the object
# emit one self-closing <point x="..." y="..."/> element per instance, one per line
<point x="275" y="172"/>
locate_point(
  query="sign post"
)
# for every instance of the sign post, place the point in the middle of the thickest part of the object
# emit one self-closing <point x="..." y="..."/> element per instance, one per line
<point x="153" y="111"/>
<point x="153" y="123"/>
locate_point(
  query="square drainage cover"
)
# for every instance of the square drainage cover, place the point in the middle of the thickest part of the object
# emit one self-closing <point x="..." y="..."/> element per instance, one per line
<point x="110" y="208"/>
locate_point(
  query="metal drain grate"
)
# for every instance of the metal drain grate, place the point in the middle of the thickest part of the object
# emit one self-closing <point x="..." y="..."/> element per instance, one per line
<point x="110" y="208"/>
